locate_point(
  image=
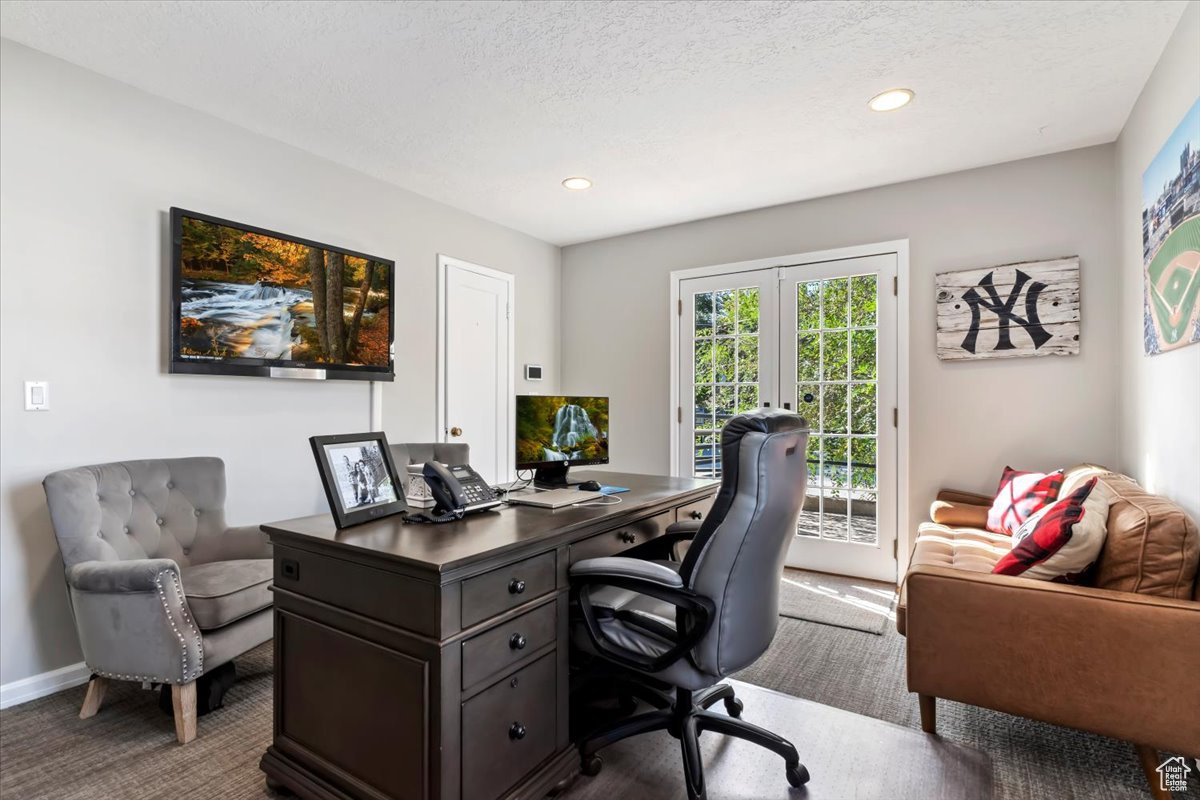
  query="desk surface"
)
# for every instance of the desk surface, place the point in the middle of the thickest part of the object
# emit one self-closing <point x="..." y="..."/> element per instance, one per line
<point x="446" y="547"/>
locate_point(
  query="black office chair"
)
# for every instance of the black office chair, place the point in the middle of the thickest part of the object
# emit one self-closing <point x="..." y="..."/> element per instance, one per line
<point x="685" y="625"/>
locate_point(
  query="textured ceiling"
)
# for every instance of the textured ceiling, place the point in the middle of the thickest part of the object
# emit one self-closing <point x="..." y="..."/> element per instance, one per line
<point x="677" y="110"/>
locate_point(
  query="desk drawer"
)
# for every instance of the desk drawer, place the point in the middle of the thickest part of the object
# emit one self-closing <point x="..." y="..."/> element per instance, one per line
<point x="508" y="729"/>
<point x="374" y="593"/>
<point x="694" y="512"/>
<point x="612" y="543"/>
<point x="497" y="591"/>
<point x="489" y="653"/>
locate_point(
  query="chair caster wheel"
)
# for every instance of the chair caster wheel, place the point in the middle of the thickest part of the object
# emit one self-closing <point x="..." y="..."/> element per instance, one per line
<point x="591" y="765"/>
<point x="733" y="707"/>
<point x="798" y="775"/>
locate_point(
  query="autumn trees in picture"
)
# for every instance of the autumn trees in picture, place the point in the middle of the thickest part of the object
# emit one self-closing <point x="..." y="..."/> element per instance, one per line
<point x="245" y="294"/>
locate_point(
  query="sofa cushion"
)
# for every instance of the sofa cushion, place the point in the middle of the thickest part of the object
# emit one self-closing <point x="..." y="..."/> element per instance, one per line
<point x="221" y="592"/>
<point x="1020" y="496"/>
<point x="1152" y="547"/>
<point x="1060" y="542"/>
<point x="971" y="549"/>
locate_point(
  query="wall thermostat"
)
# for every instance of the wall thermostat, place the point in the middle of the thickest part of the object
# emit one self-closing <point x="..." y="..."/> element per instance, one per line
<point x="533" y="372"/>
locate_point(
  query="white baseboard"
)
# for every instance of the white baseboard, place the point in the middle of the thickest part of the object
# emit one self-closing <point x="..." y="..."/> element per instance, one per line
<point x="35" y="686"/>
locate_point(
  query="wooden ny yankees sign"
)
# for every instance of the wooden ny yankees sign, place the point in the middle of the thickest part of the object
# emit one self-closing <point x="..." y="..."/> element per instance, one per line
<point x="1009" y="311"/>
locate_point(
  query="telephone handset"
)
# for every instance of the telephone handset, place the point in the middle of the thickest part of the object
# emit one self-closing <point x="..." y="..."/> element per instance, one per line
<point x="457" y="490"/>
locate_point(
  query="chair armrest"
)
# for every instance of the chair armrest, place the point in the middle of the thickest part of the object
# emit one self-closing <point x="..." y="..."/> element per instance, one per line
<point x="119" y="576"/>
<point x="134" y="622"/>
<point x="1115" y="663"/>
<point x="697" y="611"/>
<point x="636" y="568"/>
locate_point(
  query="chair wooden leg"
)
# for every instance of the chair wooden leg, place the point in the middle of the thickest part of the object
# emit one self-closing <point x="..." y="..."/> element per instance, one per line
<point x="1150" y="761"/>
<point x="183" y="701"/>
<point x="928" y="712"/>
<point x="97" y="686"/>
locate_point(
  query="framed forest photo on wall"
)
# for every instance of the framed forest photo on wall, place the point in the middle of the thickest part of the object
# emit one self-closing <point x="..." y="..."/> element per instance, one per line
<point x="249" y="301"/>
<point x="1171" y="240"/>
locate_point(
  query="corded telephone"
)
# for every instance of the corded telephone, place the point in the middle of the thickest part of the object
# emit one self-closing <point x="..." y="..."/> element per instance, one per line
<point x="457" y="489"/>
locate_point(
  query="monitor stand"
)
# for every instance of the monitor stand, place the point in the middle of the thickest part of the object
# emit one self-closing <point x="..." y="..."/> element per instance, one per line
<point x="553" y="476"/>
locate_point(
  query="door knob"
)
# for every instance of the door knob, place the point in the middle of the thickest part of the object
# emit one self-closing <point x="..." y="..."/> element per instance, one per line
<point x="456" y="431"/>
<point x="516" y="731"/>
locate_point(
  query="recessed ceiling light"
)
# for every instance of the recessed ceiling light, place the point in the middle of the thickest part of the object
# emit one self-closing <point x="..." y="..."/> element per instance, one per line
<point x="891" y="100"/>
<point x="577" y="183"/>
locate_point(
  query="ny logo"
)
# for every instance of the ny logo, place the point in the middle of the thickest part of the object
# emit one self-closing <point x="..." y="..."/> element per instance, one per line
<point x="1004" y="310"/>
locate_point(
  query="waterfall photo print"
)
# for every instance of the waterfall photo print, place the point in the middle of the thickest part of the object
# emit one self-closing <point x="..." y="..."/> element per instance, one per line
<point x="246" y="294"/>
<point x="551" y="428"/>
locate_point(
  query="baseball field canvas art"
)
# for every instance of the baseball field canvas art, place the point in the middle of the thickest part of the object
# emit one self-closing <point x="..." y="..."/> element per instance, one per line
<point x="1171" y="240"/>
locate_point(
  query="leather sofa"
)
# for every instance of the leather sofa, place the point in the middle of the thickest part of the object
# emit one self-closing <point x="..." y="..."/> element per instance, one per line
<point x="1118" y="657"/>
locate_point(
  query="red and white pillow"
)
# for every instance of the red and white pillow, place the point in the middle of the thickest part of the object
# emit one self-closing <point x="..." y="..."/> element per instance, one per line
<point x="1021" y="495"/>
<point x="1060" y="542"/>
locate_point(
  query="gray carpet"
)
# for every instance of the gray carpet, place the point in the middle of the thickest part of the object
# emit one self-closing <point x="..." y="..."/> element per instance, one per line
<point x="866" y="606"/>
<point x="128" y="750"/>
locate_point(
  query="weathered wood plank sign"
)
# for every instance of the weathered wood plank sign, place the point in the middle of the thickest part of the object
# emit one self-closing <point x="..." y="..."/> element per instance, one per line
<point x="1009" y="311"/>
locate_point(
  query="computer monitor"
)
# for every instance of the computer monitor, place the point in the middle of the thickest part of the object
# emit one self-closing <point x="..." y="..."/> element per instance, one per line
<point x="555" y="432"/>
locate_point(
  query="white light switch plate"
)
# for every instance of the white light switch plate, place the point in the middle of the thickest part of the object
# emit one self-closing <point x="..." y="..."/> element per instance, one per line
<point x="37" y="396"/>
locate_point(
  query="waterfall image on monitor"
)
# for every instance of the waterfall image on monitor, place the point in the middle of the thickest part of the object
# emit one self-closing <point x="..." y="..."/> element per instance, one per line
<point x="247" y="298"/>
<point x="561" y="429"/>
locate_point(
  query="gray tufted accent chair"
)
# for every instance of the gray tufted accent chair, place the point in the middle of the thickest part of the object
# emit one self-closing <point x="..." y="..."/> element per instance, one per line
<point x="652" y="622"/>
<point x="161" y="589"/>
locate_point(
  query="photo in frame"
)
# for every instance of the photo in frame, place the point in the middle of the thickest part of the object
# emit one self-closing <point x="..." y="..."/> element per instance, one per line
<point x="359" y="476"/>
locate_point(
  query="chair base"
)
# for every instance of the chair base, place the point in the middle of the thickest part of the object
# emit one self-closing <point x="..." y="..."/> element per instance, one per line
<point x="685" y="719"/>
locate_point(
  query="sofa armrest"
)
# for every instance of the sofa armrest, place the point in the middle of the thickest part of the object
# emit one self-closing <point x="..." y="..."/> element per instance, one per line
<point x="119" y="576"/>
<point x="1114" y="663"/>
<point x="965" y="498"/>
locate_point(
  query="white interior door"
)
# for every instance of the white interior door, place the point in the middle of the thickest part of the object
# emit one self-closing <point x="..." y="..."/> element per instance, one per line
<point x="837" y="369"/>
<point x="819" y="339"/>
<point x="476" y="363"/>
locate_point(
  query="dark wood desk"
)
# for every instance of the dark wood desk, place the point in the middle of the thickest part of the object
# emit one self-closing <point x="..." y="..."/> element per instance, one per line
<point x="429" y="662"/>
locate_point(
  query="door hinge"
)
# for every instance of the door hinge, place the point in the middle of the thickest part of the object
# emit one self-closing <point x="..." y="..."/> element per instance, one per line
<point x="895" y="548"/>
<point x="896" y="285"/>
<point x="679" y="414"/>
<point x="508" y="310"/>
<point x="895" y="418"/>
<point x="679" y="311"/>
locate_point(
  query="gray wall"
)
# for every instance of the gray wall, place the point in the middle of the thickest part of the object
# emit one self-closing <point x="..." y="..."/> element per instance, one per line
<point x="88" y="168"/>
<point x="1160" y="395"/>
<point x="968" y="420"/>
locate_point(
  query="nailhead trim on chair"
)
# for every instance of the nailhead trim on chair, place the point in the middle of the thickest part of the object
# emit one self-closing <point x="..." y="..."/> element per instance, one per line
<point x="162" y="594"/>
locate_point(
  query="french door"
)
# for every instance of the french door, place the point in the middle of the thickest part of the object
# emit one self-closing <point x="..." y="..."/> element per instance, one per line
<point x="819" y="339"/>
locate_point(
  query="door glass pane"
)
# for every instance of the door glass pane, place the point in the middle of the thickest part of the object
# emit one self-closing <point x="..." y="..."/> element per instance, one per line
<point x="862" y="301"/>
<point x="834" y="355"/>
<point x="726" y="369"/>
<point x="747" y="358"/>
<point x="808" y="357"/>
<point x="808" y="306"/>
<point x="704" y="308"/>
<point x="836" y="370"/>
<point x="835" y="302"/>
<point x="862" y="355"/>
